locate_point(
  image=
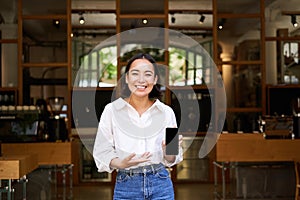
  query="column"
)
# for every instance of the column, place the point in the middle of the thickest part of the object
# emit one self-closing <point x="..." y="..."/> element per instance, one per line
<point x="271" y="55"/>
<point x="227" y="73"/>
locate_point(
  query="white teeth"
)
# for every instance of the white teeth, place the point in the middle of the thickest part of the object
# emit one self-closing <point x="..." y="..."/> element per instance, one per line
<point x="140" y="87"/>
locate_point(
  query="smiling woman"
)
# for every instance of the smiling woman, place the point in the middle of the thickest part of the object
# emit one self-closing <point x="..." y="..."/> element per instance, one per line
<point x="131" y="132"/>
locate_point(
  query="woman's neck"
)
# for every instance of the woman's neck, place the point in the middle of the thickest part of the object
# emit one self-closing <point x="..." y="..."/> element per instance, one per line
<point x="140" y="104"/>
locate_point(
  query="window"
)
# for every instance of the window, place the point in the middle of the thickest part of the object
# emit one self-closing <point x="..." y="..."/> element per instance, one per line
<point x="98" y="68"/>
<point x="187" y="67"/>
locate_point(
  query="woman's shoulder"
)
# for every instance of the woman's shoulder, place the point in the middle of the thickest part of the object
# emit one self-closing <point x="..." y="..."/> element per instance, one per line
<point x="116" y="104"/>
<point x="163" y="106"/>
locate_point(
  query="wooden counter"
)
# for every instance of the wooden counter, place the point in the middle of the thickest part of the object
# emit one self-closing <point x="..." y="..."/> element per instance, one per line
<point x="254" y="148"/>
<point x="16" y="166"/>
<point x="48" y="153"/>
<point x="232" y="148"/>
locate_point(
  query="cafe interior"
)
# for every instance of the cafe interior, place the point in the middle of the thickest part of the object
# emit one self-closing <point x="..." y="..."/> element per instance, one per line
<point x="230" y="71"/>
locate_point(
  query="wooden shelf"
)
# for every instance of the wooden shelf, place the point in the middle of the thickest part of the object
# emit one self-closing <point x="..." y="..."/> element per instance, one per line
<point x="9" y="41"/>
<point x="246" y="110"/>
<point x="239" y="15"/>
<point x="30" y="17"/>
<point x="141" y="16"/>
<point x="45" y="65"/>
<point x="241" y="62"/>
<point x="284" y="86"/>
<point x="292" y="38"/>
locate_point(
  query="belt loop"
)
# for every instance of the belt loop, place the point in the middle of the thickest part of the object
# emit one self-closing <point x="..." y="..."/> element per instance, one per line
<point x="130" y="172"/>
<point x="152" y="168"/>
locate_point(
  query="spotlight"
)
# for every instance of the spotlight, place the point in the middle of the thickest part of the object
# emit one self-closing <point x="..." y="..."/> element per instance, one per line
<point x="56" y="23"/>
<point x="294" y="21"/>
<point x="81" y="20"/>
<point x="221" y="24"/>
<point x="202" y="18"/>
<point x="145" y="21"/>
<point x="173" y="19"/>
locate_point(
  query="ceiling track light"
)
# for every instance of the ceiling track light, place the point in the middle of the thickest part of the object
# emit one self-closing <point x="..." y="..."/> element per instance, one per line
<point x="56" y="23"/>
<point x="81" y="19"/>
<point x="202" y="18"/>
<point x="221" y="24"/>
<point x="173" y="19"/>
<point x="294" y="20"/>
<point x="145" y="21"/>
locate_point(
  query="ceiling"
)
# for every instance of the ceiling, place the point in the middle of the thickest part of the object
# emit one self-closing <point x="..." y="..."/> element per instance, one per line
<point x="274" y="9"/>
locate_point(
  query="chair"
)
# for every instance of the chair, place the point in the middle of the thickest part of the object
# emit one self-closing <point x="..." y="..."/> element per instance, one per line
<point x="297" y="170"/>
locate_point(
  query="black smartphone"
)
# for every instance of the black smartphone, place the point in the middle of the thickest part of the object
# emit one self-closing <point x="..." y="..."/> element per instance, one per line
<point x="172" y="139"/>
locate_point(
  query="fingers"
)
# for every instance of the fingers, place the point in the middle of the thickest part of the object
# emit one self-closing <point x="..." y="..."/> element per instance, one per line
<point x="146" y="155"/>
<point x="180" y="140"/>
<point x="132" y="160"/>
<point x="130" y="156"/>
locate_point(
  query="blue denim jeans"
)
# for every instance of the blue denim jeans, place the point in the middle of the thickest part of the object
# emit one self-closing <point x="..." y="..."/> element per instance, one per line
<point x="150" y="185"/>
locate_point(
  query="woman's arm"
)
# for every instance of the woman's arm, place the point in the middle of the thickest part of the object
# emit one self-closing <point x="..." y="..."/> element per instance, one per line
<point x="104" y="150"/>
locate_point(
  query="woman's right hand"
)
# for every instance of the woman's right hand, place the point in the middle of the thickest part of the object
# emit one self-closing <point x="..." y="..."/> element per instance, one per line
<point x="130" y="161"/>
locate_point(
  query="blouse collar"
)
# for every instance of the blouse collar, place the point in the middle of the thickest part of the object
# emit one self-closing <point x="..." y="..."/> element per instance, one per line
<point x="120" y="103"/>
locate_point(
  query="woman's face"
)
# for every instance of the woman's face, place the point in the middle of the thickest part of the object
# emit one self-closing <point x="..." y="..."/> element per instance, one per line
<point x="141" y="77"/>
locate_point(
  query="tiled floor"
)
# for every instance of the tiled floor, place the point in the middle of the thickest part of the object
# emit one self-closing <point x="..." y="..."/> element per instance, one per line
<point x="182" y="192"/>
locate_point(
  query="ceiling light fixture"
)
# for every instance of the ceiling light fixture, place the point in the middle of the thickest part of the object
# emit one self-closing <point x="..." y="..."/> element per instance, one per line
<point x="145" y="21"/>
<point x="173" y="19"/>
<point x="56" y="23"/>
<point x="221" y="24"/>
<point x="202" y="18"/>
<point x="81" y="19"/>
<point x="294" y="20"/>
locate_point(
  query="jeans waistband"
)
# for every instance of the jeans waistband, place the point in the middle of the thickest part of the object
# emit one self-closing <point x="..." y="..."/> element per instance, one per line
<point x="143" y="169"/>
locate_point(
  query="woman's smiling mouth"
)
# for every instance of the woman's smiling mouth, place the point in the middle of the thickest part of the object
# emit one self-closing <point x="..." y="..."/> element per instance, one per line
<point x="141" y="86"/>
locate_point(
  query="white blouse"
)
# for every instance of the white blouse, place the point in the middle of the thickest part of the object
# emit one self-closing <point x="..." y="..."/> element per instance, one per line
<point x="122" y="131"/>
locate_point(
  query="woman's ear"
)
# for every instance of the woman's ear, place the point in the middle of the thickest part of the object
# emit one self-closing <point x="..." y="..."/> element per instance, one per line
<point x="155" y="80"/>
<point x="126" y="79"/>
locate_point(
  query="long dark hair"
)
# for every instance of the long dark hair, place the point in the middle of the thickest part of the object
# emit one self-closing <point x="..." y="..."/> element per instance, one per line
<point x="155" y="92"/>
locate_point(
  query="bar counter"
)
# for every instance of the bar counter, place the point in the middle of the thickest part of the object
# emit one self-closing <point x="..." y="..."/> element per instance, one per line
<point x="60" y="156"/>
<point x="16" y="167"/>
<point x="234" y="148"/>
<point x="49" y="153"/>
<point x="255" y="148"/>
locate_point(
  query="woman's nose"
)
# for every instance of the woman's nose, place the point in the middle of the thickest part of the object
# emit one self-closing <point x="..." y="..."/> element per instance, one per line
<point x="141" y="79"/>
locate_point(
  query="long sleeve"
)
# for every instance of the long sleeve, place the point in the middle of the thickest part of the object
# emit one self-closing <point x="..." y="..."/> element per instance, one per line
<point x="104" y="150"/>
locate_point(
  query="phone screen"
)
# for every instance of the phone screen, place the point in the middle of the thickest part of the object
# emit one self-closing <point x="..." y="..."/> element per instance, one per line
<point x="172" y="141"/>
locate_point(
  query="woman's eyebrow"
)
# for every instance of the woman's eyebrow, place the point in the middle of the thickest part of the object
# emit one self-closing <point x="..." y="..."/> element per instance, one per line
<point x="149" y="71"/>
<point x="134" y="70"/>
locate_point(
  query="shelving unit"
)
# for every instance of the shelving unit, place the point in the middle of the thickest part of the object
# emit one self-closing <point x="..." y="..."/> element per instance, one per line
<point x="246" y="98"/>
<point x="44" y="53"/>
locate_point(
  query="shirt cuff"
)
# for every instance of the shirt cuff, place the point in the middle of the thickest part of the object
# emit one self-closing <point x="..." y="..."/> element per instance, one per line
<point x="104" y="164"/>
